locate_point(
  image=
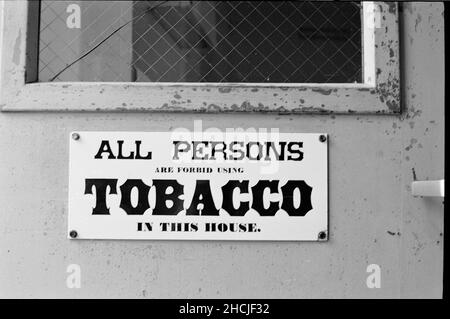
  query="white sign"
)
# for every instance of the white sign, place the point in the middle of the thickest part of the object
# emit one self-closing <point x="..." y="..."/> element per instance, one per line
<point x="198" y="186"/>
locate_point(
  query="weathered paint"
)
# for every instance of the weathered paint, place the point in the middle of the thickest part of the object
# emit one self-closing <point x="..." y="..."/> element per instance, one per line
<point x="373" y="217"/>
<point x="381" y="96"/>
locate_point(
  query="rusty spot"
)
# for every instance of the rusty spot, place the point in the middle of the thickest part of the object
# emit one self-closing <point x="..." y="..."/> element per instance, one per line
<point x="393" y="106"/>
<point x="389" y="94"/>
<point x="168" y="107"/>
<point x="245" y="105"/>
<point x="234" y="107"/>
<point x="322" y="91"/>
<point x="214" y="108"/>
<point x="281" y="109"/>
<point x="311" y="110"/>
<point x="224" y="90"/>
<point x="414" y="174"/>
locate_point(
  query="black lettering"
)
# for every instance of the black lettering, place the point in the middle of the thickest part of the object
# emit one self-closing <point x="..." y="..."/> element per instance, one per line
<point x="162" y="197"/>
<point x="125" y="202"/>
<point x="278" y="155"/>
<point x="178" y="148"/>
<point x="202" y="195"/>
<point x="288" y="198"/>
<point x="234" y="151"/>
<point x="295" y="151"/>
<point x="138" y="152"/>
<point x="249" y="147"/>
<point x="100" y="193"/>
<point x="198" y="151"/>
<point x="258" y="197"/>
<point x="214" y="150"/>
<point x="227" y="192"/>
<point x="105" y="148"/>
<point x="120" y="155"/>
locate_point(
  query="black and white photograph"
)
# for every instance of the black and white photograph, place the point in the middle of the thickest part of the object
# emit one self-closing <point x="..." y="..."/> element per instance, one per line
<point x="224" y="155"/>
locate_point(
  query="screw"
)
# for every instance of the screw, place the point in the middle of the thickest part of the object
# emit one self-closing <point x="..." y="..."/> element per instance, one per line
<point x="322" y="138"/>
<point x="73" y="234"/>
<point x="322" y="235"/>
<point x="75" y="136"/>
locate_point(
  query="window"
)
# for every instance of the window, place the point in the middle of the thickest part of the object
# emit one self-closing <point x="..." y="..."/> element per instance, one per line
<point x="288" y="57"/>
<point x="203" y="41"/>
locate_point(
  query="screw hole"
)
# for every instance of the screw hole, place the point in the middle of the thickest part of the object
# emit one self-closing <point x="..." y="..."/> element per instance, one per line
<point x="322" y="138"/>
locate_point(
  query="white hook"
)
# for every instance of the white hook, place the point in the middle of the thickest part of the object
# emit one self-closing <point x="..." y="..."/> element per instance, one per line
<point x="428" y="188"/>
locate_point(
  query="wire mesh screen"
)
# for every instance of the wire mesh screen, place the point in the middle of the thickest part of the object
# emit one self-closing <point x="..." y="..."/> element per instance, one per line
<point x="201" y="41"/>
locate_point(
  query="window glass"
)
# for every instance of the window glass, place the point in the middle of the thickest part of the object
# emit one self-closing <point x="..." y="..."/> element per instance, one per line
<point x="200" y="41"/>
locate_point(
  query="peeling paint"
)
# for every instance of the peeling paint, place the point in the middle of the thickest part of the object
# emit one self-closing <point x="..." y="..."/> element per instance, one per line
<point x="322" y="91"/>
<point x="391" y="53"/>
<point x="418" y="20"/>
<point x="224" y="90"/>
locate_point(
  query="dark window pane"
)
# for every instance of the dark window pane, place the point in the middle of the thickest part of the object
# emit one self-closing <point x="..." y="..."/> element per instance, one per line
<point x="202" y="41"/>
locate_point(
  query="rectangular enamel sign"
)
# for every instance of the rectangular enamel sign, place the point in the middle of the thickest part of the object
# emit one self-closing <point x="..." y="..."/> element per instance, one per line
<point x="198" y="186"/>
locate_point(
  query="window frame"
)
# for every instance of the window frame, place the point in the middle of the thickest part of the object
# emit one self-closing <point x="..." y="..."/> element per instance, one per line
<point x="378" y="94"/>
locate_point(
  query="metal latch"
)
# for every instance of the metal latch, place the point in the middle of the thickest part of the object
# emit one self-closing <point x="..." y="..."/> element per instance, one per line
<point x="428" y="188"/>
